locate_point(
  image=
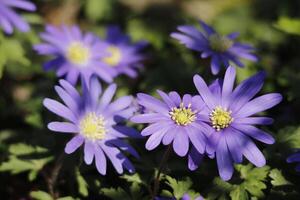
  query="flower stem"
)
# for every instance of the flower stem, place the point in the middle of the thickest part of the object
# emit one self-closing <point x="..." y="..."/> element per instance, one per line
<point x="160" y="170"/>
<point x="51" y="180"/>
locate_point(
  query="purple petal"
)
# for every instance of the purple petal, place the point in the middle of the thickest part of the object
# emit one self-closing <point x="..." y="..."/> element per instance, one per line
<point x="88" y="152"/>
<point x="166" y="99"/>
<point x="67" y="99"/>
<point x="233" y="145"/>
<point x="224" y="161"/>
<point x="114" y="156"/>
<point x="124" y="147"/>
<point x="197" y="139"/>
<point x="107" y="95"/>
<point x="149" y="118"/>
<point x="175" y="98"/>
<point x="246" y="90"/>
<point x="259" y="104"/>
<point x="64" y="127"/>
<point x="255" y="133"/>
<point x="59" y="109"/>
<point x="254" y="121"/>
<point x="154" y="140"/>
<point x="74" y="144"/>
<point x="208" y="29"/>
<point x="100" y="160"/>
<point x="152" y="103"/>
<point x="251" y="152"/>
<point x="215" y="64"/>
<point x="204" y="92"/>
<point x="181" y="142"/>
<point x="194" y="159"/>
<point x="294" y="158"/>
<point x="228" y="85"/>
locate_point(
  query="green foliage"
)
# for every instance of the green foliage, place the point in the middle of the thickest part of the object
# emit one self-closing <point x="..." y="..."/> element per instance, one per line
<point x="288" y="25"/>
<point x="17" y="164"/>
<point x="82" y="184"/>
<point x="278" y="178"/>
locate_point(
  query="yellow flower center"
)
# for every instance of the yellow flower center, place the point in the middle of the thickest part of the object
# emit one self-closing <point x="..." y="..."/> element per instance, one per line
<point x="220" y="118"/>
<point x="219" y="43"/>
<point x="78" y="54"/>
<point x="115" y="56"/>
<point x="183" y="115"/>
<point x="93" y="126"/>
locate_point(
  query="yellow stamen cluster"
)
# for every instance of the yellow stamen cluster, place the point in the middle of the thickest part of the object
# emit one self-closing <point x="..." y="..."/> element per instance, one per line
<point x="183" y="115"/>
<point x="220" y="118"/>
<point x="220" y="43"/>
<point x="78" y="54"/>
<point x="93" y="126"/>
<point x="115" y="56"/>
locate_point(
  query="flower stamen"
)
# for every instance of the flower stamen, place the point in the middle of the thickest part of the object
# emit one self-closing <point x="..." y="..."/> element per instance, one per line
<point x="115" y="56"/>
<point x="220" y="43"/>
<point x="93" y="126"/>
<point x="183" y="115"/>
<point x="220" y="118"/>
<point x="77" y="53"/>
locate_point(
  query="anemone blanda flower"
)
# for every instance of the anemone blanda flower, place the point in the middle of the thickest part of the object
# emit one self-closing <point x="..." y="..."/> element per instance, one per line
<point x="223" y="50"/>
<point x="75" y="54"/>
<point x="9" y="18"/>
<point x="174" y="120"/>
<point x="229" y="112"/>
<point x="295" y="158"/>
<point x="95" y="123"/>
<point x="124" y="57"/>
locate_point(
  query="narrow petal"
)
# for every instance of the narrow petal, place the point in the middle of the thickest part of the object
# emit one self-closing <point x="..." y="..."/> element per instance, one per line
<point x="197" y="138"/>
<point x="246" y="90"/>
<point x="175" y="98"/>
<point x="154" y="140"/>
<point x="59" y="109"/>
<point x="88" y="152"/>
<point x="100" y="160"/>
<point x="254" y="120"/>
<point x="224" y="161"/>
<point x="63" y="127"/>
<point x="152" y="103"/>
<point x="107" y="95"/>
<point x="294" y="158"/>
<point x="228" y="85"/>
<point x="251" y="152"/>
<point x="74" y="144"/>
<point x="204" y="92"/>
<point x="255" y="133"/>
<point x="115" y="156"/>
<point x="194" y="159"/>
<point x="166" y="99"/>
<point x="181" y="142"/>
<point x="259" y="104"/>
<point x="149" y="118"/>
<point x="233" y="145"/>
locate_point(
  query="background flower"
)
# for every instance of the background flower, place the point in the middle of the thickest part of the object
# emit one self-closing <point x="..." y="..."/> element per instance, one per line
<point x="123" y="56"/>
<point x="95" y="123"/>
<point x="75" y="54"/>
<point x="295" y="158"/>
<point x="229" y="112"/>
<point x="223" y="50"/>
<point x="9" y="18"/>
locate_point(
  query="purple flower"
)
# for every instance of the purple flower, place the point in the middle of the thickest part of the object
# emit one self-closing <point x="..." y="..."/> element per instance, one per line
<point x="174" y="120"/>
<point x="185" y="197"/>
<point x="229" y="113"/>
<point x="295" y="158"/>
<point x="9" y="18"/>
<point x="222" y="49"/>
<point x="75" y="54"/>
<point x="124" y="57"/>
<point x="95" y="122"/>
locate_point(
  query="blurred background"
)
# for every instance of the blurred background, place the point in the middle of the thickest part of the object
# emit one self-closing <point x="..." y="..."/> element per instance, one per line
<point x="32" y="165"/>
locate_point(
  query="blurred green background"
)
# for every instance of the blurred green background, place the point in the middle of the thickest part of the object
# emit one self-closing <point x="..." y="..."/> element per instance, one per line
<point x="30" y="163"/>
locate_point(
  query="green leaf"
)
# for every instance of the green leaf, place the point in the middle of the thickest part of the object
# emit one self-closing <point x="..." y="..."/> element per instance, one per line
<point x="179" y="187"/>
<point x="277" y="178"/>
<point x="66" y="198"/>
<point x="288" y="25"/>
<point x="135" y="178"/>
<point x="82" y="184"/>
<point x="40" y="195"/>
<point x="116" y="194"/>
<point x="25" y="149"/>
<point x="239" y="193"/>
<point x="96" y="10"/>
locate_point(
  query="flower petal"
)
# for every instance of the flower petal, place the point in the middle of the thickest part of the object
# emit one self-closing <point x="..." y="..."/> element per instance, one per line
<point x="74" y="144"/>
